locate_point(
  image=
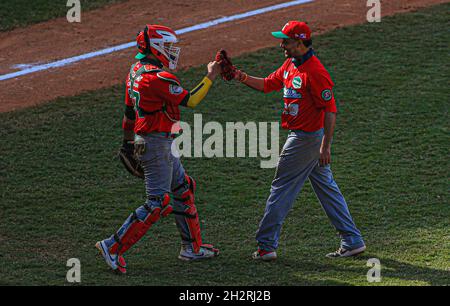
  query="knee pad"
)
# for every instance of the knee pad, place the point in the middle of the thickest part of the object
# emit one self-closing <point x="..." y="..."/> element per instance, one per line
<point x="137" y="227"/>
<point x="185" y="196"/>
<point x="166" y="207"/>
<point x="188" y="183"/>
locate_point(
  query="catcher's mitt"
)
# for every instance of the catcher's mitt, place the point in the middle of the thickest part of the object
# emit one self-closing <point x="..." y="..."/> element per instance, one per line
<point x="128" y="159"/>
<point x="228" y="69"/>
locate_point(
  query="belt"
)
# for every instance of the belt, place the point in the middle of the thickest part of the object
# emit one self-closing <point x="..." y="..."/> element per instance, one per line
<point x="165" y="134"/>
<point x="302" y="131"/>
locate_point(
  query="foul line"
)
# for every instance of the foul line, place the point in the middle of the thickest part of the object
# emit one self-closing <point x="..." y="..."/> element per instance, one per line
<point x="197" y="27"/>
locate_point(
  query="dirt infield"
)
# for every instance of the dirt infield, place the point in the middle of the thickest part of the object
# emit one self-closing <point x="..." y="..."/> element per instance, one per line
<point x="57" y="39"/>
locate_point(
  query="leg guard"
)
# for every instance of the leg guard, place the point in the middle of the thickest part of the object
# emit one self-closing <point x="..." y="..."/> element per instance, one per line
<point x="137" y="228"/>
<point x="187" y="216"/>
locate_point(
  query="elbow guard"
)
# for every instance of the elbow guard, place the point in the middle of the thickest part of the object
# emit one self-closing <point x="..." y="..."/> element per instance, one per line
<point x="199" y="92"/>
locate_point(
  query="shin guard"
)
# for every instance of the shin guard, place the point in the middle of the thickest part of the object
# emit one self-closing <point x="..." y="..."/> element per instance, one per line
<point x="137" y="228"/>
<point x="189" y="214"/>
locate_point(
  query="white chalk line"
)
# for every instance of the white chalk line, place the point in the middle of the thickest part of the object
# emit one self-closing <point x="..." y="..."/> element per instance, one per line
<point x="201" y="26"/>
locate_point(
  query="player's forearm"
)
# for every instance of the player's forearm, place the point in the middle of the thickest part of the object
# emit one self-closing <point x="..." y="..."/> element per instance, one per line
<point x="253" y="82"/>
<point x="329" y="124"/>
<point x="128" y="135"/>
<point x="128" y="122"/>
<point x="199" y="92"/>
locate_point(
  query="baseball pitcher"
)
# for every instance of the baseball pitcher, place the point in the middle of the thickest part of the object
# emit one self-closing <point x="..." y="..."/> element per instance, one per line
<point x="309" y="114"/>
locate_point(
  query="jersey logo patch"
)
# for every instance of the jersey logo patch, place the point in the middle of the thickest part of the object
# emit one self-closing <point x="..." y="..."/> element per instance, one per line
<point x="297" y="82"/>
<point x="290" y="93"/>
<point x="285" y="74"/>
<point x="327" y="95"/>
<point x="175" y="89"/>
<point x="291" y="109"/>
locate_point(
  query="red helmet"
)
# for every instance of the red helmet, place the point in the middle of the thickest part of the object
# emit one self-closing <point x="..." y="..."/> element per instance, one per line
<point x="158" y="40"/>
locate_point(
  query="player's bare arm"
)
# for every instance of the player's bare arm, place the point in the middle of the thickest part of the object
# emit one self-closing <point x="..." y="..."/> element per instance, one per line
<point x="250" y="81"/>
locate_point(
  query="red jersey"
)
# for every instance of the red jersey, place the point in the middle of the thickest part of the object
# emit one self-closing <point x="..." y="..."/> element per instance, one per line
<point x="308" y="92"/>
<point x="155" y="96"/>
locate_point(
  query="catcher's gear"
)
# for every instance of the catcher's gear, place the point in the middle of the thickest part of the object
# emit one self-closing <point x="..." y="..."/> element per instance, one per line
<point x="199" y="92"/>
<point x="186" y="213"/>
<point x="137" y="228"/>
<point x="158" y="40"/>
<point x="139" y="146"/>
<point x="228" y="69"/>
<point x="128" y="159"/>
<point x="117" y="263"/>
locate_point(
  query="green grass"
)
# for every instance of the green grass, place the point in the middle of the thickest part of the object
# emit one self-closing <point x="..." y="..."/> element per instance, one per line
<point x="19" y="13"/>
<point x="62" y="189"/>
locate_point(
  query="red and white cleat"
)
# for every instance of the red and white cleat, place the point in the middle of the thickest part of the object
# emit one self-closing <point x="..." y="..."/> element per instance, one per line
<point x="264" y="255"/>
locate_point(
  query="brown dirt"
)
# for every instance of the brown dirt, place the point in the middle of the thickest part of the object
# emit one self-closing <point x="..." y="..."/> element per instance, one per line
<point x="116" y="24"/>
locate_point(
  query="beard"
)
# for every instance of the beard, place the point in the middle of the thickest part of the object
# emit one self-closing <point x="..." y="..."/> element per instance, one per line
<point x="287" y="54"/>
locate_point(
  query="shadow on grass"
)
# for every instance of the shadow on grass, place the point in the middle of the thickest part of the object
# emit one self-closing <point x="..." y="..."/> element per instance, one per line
<point x="286" y="271"/>
<point x="391" y="270"/>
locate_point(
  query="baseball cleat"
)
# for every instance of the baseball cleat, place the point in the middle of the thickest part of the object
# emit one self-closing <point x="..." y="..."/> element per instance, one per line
<point x="117" y="263"/>
<point x="341" y="252"/>
<point x="206" y="251"/>
<point x="264" y="255"/>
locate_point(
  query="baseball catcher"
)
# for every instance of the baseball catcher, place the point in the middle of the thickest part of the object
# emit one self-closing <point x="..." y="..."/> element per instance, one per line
<point x="150" y="123"/>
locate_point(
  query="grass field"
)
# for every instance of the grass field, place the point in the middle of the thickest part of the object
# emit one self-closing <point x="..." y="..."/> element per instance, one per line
<point x="62" y="189"/>
<point x="18" y="13"/>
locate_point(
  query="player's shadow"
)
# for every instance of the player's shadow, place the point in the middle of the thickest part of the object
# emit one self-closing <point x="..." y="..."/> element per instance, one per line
<point x="389" y="269"/>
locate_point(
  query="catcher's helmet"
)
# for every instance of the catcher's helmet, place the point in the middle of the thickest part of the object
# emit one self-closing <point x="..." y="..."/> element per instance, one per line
<point x="158" y="40"/>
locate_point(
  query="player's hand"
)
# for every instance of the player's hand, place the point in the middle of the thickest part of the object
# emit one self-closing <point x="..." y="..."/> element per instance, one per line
<point x="325" y="155"/>
<point x="213" y="70"/>
<point x="239" y="75"/>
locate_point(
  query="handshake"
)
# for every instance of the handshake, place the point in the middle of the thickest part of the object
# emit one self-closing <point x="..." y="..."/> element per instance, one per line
<point x="222" y="64"/>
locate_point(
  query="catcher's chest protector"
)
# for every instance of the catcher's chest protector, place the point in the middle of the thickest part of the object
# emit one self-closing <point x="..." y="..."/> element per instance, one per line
<point x="155" y="95"/>
<point x="136" y="72"/>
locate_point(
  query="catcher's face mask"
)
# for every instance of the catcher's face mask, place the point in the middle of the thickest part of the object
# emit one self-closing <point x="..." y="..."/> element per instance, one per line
<point x="172" y="53"/>
<point x="159" y="41"/>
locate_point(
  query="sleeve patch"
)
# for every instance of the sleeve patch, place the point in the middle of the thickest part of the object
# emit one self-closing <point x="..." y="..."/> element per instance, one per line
<point x="327" y="95"/>
<point x="175" y="89"/>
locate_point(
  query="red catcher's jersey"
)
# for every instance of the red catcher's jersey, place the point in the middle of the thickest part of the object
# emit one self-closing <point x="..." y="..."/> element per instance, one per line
<point x="307" y="92"/>
<point x="155" y="97"/>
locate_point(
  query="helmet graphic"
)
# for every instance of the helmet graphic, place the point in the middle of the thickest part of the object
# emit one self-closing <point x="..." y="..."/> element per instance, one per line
<point x="158" y="40"/>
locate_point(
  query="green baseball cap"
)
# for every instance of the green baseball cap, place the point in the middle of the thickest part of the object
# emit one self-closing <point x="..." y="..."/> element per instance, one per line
<point x="279" y="34"/>
<point x="140" y="56"/>
<point x="295" y="30"/>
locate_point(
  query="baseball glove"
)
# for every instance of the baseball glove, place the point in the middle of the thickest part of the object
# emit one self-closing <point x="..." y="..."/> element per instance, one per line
<point x="228" y="69"/>
<point x="128" y="159"/>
